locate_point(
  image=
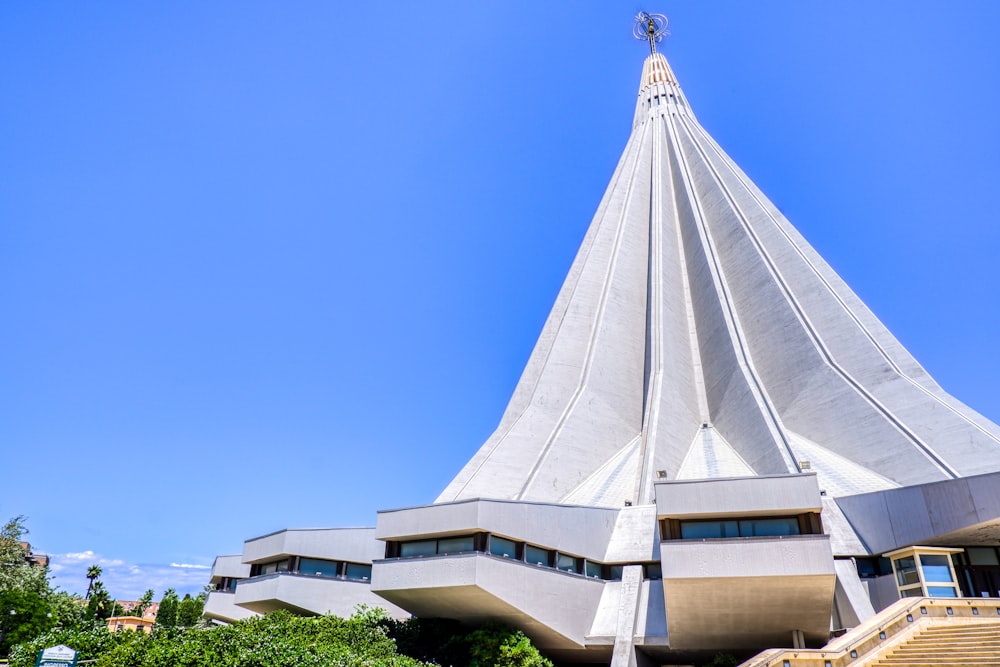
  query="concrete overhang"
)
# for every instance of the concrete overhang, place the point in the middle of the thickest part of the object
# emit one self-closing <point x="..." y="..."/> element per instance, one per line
<point x="957" y="512"/>
<point x="349" y="544"/>
<point x="554" y="608"/>
<point x="747" y="593"/>
<point x="306" y="595"/>
<point x="221" y="606"/>
<point x="574" y="529"/>
<point x="767" y="495"/>
<point x="230" y="566"/>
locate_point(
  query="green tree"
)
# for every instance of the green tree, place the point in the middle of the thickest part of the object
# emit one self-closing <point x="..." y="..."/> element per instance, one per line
<point x="26" y="596"/>
<point x="276" y="640"/>
<point x="499" y="646"/>
<point x="188" y="611"/>
<point x="93" y="574"/>
<point x="101" y="605"/>
<point x="166" y="617"/>
<point x="16" y="573"/>
<point x="143" y="604"/>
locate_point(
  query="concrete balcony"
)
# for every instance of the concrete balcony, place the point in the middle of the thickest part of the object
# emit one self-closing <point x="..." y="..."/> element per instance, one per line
<point x="747" y="593"/>
<point x="556" y="609"/>
<point x="308" y="595"/>
<point x="221" y="606"/>
<point x="357" y="545"/>
<point x="231" y="567"/>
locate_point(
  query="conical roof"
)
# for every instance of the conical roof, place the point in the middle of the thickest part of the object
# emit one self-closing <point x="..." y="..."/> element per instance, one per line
<point x="698" y="335"/>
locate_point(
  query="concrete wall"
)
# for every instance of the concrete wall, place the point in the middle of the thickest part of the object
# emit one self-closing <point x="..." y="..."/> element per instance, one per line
<point x="309" y="595"/>
<point x="965" y="510"/>
<point x="738" y="496"/>
<point x="230" y="566"/>
<point x="581" y="531"/>
<point x="554" y="608"/>
<point x="747" y="593"/>
<point x="221" y="606"/>
<point x="351" y="544"/>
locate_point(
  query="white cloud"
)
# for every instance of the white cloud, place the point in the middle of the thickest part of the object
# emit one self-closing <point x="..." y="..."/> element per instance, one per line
<point x="127" y="581"/>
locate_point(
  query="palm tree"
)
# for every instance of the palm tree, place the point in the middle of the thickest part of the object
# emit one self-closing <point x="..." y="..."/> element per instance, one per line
<point x="93" y="572"/>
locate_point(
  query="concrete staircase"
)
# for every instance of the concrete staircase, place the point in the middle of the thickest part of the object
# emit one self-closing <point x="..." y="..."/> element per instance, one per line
<point x="950" y="644"/>
<point x="916" y="632"/>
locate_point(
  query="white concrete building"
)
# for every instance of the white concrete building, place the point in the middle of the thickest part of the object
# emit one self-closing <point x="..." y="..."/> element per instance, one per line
<point x="713" y="446"/>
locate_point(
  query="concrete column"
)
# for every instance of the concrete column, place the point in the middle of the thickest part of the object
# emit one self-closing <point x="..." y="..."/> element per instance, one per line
<point x="628" y="607"/>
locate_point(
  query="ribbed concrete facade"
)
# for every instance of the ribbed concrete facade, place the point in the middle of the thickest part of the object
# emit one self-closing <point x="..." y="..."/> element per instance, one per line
<point x="711" y="447"/>
<point x="699" y="334"/>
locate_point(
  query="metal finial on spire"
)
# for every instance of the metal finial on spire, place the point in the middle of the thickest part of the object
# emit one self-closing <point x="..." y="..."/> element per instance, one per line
<point x="650" y="28"/>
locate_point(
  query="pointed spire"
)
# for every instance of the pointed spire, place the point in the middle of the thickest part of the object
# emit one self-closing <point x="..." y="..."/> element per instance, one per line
<point x="650" y="28"/>
<point x="694" y="307"/>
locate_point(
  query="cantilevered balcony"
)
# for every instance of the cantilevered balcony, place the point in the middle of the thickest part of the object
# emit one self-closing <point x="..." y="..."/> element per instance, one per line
<point x="308" y="595"/>
<point x="323" y="571"/>
<point x="556" y="572"/>
<point x="745" y="563"/>
<point x="221" y="606"/>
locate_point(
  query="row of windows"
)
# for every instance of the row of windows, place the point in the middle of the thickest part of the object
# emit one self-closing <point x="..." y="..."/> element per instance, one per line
<point x="315" y="567"/>
<point x="729" y="528"/>
<point x="518" y="551"/>
<point x="228" y="584"/>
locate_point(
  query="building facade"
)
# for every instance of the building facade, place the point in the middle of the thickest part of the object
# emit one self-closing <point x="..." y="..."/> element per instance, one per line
<point x="715" y="445"/>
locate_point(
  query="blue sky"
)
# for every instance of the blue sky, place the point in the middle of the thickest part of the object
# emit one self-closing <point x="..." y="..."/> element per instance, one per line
<point x="269" y="265"/>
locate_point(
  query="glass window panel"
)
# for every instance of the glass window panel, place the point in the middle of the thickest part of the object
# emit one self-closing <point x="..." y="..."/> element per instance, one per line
<point x="906" y="571"/>
<point x="359" y="571"/>
<point x="699" y="530"/>
<point x="866" y="567"/>
<point x="567" y="563"/>
<point x="535" y="555"/>
<point x="456" y="545"/>
<point x="913" y="592"/>
<point x="770" y="527"/>
<point x="500" y="546"/>
<point x="318" y="567"/>
<point x="941" y="592"/>
<point x="420" y="548"/>
<point x="593" y="569"/>
<point x="282" y="566"/>
<point x="936" y="568"/>
<point x="653" y="571"/>
<point x="982" y="556"/>
<point x="616" y="572"/>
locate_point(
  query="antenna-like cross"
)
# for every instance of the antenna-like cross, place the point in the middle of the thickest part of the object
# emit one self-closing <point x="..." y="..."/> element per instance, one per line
<point x="650" y="28"/>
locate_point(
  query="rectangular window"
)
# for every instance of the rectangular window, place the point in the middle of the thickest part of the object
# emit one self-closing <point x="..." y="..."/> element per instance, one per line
<point x="567" y="563"/>
<point x="318" y="567"/>
<point x="359" y="571"/>
<point x="593" y="570"/>
<point x="696" y="530"/>
<point x="652" y="571"/>
<point x="615" y="572"/>
<point x="503" y="547"/>
<point x="535" y="555"/>
<point x="937" y="568"/>
<point x="941" y="592"/>
<point x="275" y="566"/>
<point x="906" y="571"/>
<point x="456" y="545"/>
<point x="769" y="527"/>
<point x="982" y="556"/>
<point x="419" y="548"/>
